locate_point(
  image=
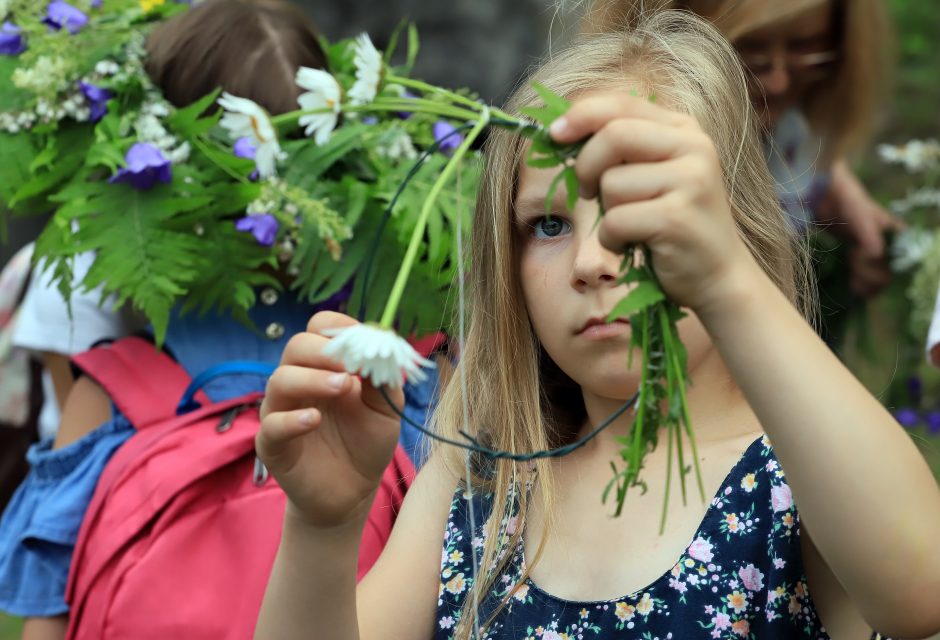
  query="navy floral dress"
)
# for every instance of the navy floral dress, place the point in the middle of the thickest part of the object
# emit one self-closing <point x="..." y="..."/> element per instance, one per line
<point x="741" y="576"/>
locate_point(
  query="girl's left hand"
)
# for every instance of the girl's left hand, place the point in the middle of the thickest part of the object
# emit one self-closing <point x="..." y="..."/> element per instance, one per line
<point x="660" y="180"/>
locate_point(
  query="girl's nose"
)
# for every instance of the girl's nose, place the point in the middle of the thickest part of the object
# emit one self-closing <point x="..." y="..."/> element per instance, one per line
<point x="594" y="266"/>
<point x="776" y="81"/>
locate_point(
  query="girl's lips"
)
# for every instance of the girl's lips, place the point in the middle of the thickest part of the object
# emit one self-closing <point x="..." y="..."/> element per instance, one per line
<point x="603" y="330"/>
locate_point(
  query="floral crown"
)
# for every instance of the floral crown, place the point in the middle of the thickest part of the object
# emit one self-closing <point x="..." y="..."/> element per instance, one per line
<point x="197" y="207"/>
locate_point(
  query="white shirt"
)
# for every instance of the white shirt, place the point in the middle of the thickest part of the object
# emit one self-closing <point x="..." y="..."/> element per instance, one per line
<point x="44" y="325"/>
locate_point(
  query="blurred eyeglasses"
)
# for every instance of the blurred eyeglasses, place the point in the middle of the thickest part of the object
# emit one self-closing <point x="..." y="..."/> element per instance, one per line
<point x="813" y="63"/>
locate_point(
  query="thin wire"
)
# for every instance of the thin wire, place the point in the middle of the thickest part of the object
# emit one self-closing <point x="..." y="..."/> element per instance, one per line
<point x="387" y="214"/>
<point x="474" y="445"/>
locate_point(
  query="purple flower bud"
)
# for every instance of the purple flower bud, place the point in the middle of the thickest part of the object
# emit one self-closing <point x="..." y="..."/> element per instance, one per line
<point x="97" y="99"/>
<point x="145" y="165"/>
<point x="263" y="226"/>
<point x="245" y="149"/>
<point x="61" y="14"/>
<point x="933" y="423"/>
<point x="907" y="417"/>
<point x="404" y="115"/>
<point x="369" y="120"/>
<point x="445" y="134"/>
<point x="95" y="4"/>
<point x="11" y="40"/>
<point x="914" y="389"/>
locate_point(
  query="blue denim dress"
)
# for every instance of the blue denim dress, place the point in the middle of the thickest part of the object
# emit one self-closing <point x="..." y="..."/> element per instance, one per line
<point x="39" y="528"/>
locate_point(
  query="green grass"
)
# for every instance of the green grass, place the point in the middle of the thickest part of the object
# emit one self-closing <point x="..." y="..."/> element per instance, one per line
<point x="10" y="627"/>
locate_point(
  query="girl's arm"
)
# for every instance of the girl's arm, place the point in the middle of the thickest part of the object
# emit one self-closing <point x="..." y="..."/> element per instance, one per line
<point x="864" y="492"/>
<point x="328" y="445"/>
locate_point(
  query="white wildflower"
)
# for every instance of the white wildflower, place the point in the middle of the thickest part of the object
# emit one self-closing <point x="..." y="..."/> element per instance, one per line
<point x="368" y="63"/>
<point x="910" y="247"/>
<point x="916" y="155"/>
<point x="397" y="145"/>
<point x="245" y="119"/>
<point x="106" y="68"/>
<point x="4" y="8"/>
<point x="922" y="198"/>
<point x="323" y="92"/>
<point x="179" y="154"/>
<point x="46" y="75"/>
<point x="377" y="354"/>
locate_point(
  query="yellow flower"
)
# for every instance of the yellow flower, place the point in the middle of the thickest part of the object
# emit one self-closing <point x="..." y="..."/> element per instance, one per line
<point x="737" y="601"/>
<point x="456" y="557"/>
<point x="749" y="482"/>
<point x="457" y="584"/>
<point x="788" y="519"/>
<point x="583" y="613"/>
<point x="148" y="5"/>
<point x="645" y="605"/>
<point x="689" y="562"/>
<point x="624" y="611"/>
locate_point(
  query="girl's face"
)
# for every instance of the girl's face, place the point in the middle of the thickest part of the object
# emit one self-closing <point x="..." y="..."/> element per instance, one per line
<point x="790" y="58"/>
<point x="569" y="282"/>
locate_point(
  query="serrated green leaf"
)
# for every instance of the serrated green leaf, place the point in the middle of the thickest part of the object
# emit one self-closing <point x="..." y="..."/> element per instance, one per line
<point x="571" y="184"/>
<point x="552" y="100"/>
<point x="643" y="296"/>
<point x="550" y="196"/>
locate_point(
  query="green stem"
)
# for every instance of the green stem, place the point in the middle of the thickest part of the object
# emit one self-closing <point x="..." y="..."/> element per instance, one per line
<point x="391" y="307"/>
<point x="198" y="143"/>
<point x="662" y="520"/>
<point x="686" y="420"/>
<point x="450" y="95"/>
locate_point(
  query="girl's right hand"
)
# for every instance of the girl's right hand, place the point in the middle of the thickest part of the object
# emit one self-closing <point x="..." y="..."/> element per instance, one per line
<point x="325" y="435"/>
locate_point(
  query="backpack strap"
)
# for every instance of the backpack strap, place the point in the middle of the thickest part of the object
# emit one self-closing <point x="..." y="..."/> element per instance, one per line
<point x="143" y="382"/>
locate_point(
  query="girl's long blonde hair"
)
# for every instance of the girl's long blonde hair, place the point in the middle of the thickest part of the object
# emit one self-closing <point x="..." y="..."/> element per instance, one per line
<point x="519" y="400"/>
<point x="843" y="109"/>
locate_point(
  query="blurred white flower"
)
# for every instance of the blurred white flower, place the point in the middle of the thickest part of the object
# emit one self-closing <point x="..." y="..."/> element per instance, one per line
<point x="922" y="198"/>
<point x="368" y="63"/>
<point x="380" y="355"/>
<point x="246" y="119"/>
<point x="323" y="92"/>
<point x="916" y="155"/>
<point x="910" y="247"/>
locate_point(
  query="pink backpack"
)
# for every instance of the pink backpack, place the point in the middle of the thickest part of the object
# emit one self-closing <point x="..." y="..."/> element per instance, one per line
<point x="181" y="533"/>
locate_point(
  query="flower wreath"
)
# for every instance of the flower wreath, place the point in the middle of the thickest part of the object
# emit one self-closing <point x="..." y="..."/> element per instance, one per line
<point x="182" y="207"/>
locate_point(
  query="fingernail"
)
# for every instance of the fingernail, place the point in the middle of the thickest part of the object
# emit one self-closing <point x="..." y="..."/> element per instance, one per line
<point x="307" y="417"/>
<point x="337" y="380"/>
<point x="560" y="127"/>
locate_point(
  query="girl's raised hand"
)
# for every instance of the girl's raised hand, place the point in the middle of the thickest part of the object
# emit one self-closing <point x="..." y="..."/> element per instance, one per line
<point x="660" y="180"/>
<point x="325" y="435"/>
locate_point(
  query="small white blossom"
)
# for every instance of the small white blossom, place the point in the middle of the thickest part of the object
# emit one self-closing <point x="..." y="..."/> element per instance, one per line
<point x="4" y="8"/>
<point x="245" y="119"/>
<point x="323" y="92"/>
<point x="377" y="354"/>
<point x="368" y="63"/>
<point x="397" y="145"/>
<point x="106" y="68"/>
<point x="916" y="155"/>
<point x="922" y="198"/>
<point x="910" y="247"/>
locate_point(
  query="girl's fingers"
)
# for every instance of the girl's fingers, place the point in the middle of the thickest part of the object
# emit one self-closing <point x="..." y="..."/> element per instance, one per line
<point x="634" y="182"/>
<point x="306" y="350"/>
<point x="637" y="222"/>
<point x="291" y="387"/>
<point x="588" y="115"/>
<point x="279" y="429"/>
<point x="329" y="320"/>
<point x="628" y="141"/>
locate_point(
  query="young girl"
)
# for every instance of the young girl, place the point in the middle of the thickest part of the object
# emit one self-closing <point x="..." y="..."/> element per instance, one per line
<point x="674" y="155"/>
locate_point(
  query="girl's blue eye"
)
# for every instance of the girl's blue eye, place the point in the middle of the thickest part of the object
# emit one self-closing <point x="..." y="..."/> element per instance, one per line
<point x="549" y="227"/>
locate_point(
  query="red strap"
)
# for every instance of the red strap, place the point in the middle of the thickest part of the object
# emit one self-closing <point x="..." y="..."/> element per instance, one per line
<point x="145" y="383"/>
<point x="428" y="344"/>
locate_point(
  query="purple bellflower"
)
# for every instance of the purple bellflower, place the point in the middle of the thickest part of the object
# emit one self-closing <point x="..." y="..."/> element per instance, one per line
<point x="11" y="40"/>
<point x="263" y="226"/>
<point x="933" y="423"/>
<point x="245" y="149"/>
<point x="61" y="14"/>
<point x="145" y="165"/>
<point x="97" y="99"/>
<point x="907" y="417"/>
<point x="445" y="134"/>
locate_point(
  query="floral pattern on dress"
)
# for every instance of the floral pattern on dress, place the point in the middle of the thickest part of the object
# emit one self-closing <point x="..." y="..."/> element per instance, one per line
<point x="741" y="577"/>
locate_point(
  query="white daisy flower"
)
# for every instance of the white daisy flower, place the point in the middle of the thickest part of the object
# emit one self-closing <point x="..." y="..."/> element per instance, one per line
<point x="323" y="92"/>
<point x="245" y="119"/>
<point x="377" y="354"/>
<point x="368" y="71"/>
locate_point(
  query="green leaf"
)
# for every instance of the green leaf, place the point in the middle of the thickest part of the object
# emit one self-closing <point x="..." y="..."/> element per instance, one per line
<point x="550" y="196"/>
<point x="187" y="121"/>
<point x="571" y="183"/>
<point x="643" y="296"/>
<point x="552" y="100"/>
